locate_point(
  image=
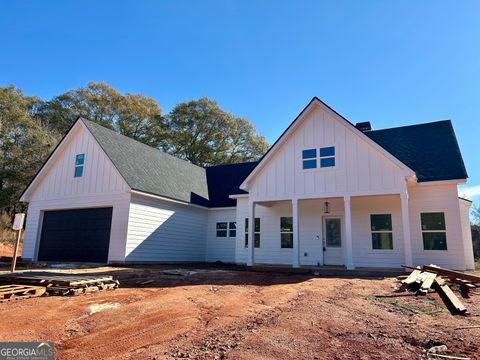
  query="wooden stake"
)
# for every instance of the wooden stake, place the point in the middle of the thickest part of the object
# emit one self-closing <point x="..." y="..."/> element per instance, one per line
<point x="15" y="251"/>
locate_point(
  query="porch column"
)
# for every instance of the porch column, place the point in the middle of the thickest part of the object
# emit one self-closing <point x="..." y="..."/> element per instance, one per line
<point x="407" y="241"/>
<point x="251" y="231"/>
<point x="296" y="245"/>
<point x="348" y="234"/>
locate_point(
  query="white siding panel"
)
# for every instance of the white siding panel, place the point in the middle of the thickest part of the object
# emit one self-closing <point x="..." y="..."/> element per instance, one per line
<point x="467" y="234"/>
<point x="440" y="198"/>
<point x="222" y="249"/>
<point x="363" y="253"/>
<point x="162" y="231"/>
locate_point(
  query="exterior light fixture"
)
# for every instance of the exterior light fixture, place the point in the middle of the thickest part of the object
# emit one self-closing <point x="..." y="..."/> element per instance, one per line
<point x="326" y="207"/>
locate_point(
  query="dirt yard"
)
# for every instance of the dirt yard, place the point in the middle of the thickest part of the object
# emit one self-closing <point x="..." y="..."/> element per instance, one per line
<point x="224" y="314"/>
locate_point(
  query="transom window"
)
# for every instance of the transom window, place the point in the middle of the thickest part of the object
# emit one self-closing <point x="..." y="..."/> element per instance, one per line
<point x="256" y="233"/>
<point x="286" y="232"/>
<point x="434" y="231"/>
<point x="309" y="159"/>
<point x="79" y="162"/>
<point x="382" y="234"/>
<point x="326" y="156"/>
<point x="223" y="229"/>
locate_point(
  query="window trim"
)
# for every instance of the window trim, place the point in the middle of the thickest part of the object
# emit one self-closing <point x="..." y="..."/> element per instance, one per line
<point x="327" y="157"/>
<point x="434" y="231"/>
<point x="309" y="159"/>
<point x="217" y="229"/>
<point x="79" y="166"/>
<point x="382" y="231"/>
<point x="245" y="238"/>
<point x="285" y="232"/>
<point x="228" y="229"/>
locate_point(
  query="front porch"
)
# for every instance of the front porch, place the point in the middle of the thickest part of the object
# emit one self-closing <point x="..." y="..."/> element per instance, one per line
<point x="329" y="232"/>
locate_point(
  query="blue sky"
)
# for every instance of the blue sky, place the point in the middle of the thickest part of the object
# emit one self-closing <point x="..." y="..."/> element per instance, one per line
<point x="392" y="63"/>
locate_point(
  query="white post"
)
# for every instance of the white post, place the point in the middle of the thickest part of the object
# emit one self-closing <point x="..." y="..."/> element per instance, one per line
<point x="251" y="232"/>
<point x="348" y="234"/>
<point x="296" y="245"/>
<point x="407" y="241"/>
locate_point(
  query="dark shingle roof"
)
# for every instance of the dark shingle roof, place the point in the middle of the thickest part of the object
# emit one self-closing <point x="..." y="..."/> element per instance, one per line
<point x="431" y="149"/>
<point x="149" y="170"/>
<point x="225" y="180"/>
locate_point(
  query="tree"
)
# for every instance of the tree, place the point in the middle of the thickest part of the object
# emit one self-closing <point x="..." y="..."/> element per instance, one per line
<point x="136" y="116"/>
<point x="202" y="133"/>
<point x="24" y="145"/>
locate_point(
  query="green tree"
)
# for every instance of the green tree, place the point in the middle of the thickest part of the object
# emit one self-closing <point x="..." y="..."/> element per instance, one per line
<point x="202" y="133"/>
<point x="136" y="116"/>
<point x="24" y="145"/>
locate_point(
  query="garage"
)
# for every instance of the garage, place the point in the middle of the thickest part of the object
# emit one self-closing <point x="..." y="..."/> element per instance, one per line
<point x="80" y="235"/>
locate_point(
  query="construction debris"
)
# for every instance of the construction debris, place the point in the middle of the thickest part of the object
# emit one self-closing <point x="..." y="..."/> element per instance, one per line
<point x="17" y="292"/>
<point x="433" y="278"/>
<point x="60" y="284"/>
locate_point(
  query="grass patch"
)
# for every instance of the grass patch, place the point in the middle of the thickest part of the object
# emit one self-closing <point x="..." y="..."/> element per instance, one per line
<point x="414" y="309"/>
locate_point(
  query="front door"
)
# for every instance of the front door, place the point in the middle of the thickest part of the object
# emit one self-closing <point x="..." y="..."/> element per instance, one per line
<point x="332" y="241"/>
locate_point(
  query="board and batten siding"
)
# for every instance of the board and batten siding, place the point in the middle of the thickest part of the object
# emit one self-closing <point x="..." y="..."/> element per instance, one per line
<point x="220" y="248"/>
<point x="57" y="189"/>
<point x="99" y="174"/>
<point x="164" y="231"/>
<point x="360" y="169"/>
<point x="437" y="198"/>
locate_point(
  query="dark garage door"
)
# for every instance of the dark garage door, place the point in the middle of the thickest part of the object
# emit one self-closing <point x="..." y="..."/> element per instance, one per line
<point x="76" y="235"/>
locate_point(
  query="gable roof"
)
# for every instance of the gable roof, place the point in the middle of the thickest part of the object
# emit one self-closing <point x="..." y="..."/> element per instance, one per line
<point x="295" y="122"/>
<point x="149" y="170"/>
<point x="225" y="180"/>
<point x="416" y="147"/>
<point x="431" y="149"/>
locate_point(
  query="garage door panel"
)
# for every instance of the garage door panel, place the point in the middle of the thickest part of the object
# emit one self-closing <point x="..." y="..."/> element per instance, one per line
<point x="76" y="235"/>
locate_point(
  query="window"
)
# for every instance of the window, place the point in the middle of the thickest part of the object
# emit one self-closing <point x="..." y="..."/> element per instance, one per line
<point x="434" y="231"/>
<point x="286" y="232"/>
<point x="309" y="158"/>
<point x="382" y="235"/>
<point x="333" y="232"/>
<point x="79" y="161"/>
<point x="221" y="229"/>
<point x="232" y="229"/>
<point x="256" y="234"/>
<point x="327" y="156"/>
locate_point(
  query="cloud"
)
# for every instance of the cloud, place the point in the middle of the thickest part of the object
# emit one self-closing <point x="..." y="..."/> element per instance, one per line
<point x="470" y="192"/>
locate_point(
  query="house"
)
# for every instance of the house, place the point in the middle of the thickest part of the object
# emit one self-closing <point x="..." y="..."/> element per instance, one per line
<point x="326" y="193"/>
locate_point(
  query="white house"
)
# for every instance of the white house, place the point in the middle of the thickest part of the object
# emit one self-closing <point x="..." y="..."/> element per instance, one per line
<point x="326" y="193"/>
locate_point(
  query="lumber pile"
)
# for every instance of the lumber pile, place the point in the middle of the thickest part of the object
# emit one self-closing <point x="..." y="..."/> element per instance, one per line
<point x="429" y="278"/>
<point x="17" y="292"/>
<point x="60" y="284"/>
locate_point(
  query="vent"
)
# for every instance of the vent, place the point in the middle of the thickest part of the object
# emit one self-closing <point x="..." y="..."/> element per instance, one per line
<point x="364" y="126"/>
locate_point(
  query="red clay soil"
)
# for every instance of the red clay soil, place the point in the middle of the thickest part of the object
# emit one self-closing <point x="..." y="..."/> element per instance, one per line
<point x="242" y="315"/>
<point x="6" y="249"/>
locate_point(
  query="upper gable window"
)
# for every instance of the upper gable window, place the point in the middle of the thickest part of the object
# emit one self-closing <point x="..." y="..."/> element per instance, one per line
<point x="79" y="162"/>
<point x="309" y="158"/>
<point x="327" y="157"/>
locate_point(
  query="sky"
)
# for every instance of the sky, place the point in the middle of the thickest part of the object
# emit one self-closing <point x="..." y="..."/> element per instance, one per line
<point x="390" y="63"/>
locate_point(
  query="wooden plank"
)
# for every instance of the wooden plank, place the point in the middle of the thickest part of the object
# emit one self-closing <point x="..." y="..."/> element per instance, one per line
<point x="452" y="274"/>
<point x="450" y="299"/>
<point x="427" y="282"/>
<point x="412" y="277"/>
